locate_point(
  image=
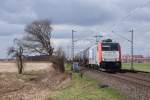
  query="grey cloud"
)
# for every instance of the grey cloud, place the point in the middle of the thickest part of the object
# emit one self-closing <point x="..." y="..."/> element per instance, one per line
<point x="17" y="11"/>
<point x="74" y="12"/>
<point x="7" y="41"/>
<point x="141" y="15"/>
<point x="9" y="29"/>
<point x="77" y="35"/>
<point x="97" y="15"/>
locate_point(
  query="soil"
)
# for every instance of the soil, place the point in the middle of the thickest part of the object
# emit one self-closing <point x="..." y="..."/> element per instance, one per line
<point x="37" y="82"/>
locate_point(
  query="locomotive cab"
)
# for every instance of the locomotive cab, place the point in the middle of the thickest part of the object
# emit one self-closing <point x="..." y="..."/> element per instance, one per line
<point x="109" y="55"/>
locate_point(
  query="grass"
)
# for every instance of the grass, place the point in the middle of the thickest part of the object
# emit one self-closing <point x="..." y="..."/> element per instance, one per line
<point x="67" y="67"/>
<point x="85" y="89"/>
<point x="138" y="66"/>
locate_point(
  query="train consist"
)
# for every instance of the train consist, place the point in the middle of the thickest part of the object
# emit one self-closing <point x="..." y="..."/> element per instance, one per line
<point x="104" y="55"/>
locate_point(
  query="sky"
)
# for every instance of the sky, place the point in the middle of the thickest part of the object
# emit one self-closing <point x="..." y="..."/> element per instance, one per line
<point x="86" y="17"/>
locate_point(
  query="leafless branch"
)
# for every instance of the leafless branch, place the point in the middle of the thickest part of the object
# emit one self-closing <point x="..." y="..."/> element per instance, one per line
<point x="38" y="37"/>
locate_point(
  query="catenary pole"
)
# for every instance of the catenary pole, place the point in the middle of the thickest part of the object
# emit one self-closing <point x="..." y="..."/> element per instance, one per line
<point x="73" y="44"/>
<point x="132" y="68"/>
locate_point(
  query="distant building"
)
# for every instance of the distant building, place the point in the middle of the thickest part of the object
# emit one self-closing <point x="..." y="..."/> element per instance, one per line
<point x="136" y="58"/>
<point x="146" y="59"/>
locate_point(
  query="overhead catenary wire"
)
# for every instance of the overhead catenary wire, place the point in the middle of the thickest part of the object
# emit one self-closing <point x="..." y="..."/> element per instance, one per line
<point x="124" y="18"/>
<point x="128" y="15"/>
<point x="121" y="36"/>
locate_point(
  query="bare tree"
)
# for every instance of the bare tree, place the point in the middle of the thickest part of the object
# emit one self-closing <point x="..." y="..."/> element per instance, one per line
<point x="60" y="53"/>
<point x="59" y="60"/>
<point x="38" y="37"/>
<point x="18" y="54"/>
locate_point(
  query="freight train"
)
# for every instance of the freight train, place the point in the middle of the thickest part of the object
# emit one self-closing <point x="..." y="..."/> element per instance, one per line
<point x="105" y="54"/>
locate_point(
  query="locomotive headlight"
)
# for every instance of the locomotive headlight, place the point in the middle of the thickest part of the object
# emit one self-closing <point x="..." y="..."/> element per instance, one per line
<point x="117" y="59"/>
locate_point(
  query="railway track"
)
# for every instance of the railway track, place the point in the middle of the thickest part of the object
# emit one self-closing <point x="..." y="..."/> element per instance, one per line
<point x="138" y="78"/>
<point x="136" y="86"/>
<point x="145" y="74"/>
<point x="133" y="80"/>
<point x="138" y="73"/>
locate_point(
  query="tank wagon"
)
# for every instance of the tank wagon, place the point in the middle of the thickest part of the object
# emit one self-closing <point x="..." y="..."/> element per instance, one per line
<point x="104" y="55"/>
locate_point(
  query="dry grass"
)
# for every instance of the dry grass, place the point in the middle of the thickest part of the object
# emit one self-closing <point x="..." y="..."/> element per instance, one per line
<point x="34" y="84"/>
<point x="29" y="66"/>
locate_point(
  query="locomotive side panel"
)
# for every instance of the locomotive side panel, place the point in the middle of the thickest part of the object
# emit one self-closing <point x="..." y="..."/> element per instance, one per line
<point x="99" y="53"/>
<point x="93" y="55"/>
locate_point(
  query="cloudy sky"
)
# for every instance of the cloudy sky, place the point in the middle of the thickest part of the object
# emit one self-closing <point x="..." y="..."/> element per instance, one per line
<point x="87" y="17"/>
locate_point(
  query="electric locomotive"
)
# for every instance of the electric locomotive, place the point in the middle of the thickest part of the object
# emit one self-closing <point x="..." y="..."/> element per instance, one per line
<point x="104" y="55"/>
<point x="109" y="55"/>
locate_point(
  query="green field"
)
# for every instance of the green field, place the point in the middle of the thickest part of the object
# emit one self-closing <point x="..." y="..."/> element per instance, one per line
<point x="86" y="89"/>
<point x="137" y="66"/>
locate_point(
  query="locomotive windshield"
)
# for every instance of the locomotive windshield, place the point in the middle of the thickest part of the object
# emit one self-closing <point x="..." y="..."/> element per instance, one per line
<point x="110" y="46"/>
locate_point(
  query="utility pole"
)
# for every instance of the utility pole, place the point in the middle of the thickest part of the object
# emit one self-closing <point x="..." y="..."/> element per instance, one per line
<point x="68" y="51"/>
<point x="132" y="68"/>
<point x="131" y="41"/>
<point x="73" y="45"/>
